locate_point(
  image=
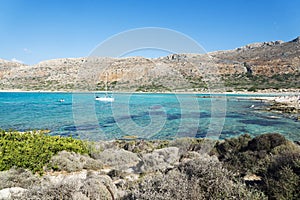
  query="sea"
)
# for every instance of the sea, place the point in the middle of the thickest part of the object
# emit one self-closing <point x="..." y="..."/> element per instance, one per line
<point x="143" y="115"/>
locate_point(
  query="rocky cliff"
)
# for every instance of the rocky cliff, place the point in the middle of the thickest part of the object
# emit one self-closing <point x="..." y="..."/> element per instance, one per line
<point x="255" y="66"/>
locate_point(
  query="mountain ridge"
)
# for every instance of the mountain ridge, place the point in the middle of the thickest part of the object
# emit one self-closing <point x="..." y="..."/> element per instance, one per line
<point x="264" y="65"/>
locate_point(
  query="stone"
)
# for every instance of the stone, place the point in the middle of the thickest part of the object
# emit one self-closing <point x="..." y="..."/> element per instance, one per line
<point x="10" y="193"/>
<point x="70" y="161"/>
<point x="17" y="178"/>
<point x="77" y="185"/>
<point x="118" y="159"/>
<point x="159" y="159"/>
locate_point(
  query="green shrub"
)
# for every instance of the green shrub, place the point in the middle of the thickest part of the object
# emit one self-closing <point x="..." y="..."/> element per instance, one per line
<point x="152" y="88"/>
<point x="32" y="150"/>
<point x="266" y="142"/>
<point x="252" y="89"/>
<point x="270" y="156"/>
<point x="282" y="179"/>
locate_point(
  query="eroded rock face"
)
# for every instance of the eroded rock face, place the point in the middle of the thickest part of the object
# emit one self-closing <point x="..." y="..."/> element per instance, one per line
<point x="266" y="58"/>
<point x="173" y="71"/>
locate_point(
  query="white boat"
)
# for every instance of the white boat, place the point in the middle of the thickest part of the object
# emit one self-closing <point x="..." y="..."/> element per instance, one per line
<point x="106" y="98"/>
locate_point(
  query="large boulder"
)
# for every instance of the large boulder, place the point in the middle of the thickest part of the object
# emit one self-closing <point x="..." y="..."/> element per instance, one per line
<point x="118" y="159"/>
<point x="10" y="193"/>
<point x="70" y="162"/>
<point x="159" y="159"/>
<point x="17" y="178"/>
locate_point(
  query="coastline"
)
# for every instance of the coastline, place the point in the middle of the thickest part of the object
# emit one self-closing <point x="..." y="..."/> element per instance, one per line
<point x="287" y="92"/>
<point x="34" y="91"/>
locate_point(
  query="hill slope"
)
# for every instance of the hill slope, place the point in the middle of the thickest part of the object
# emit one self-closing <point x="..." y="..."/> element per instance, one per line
<point x="255" y="66"/>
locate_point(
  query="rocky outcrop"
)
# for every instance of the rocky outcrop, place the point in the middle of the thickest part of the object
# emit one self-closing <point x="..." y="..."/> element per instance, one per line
<point x="160" y="159"/>
<point x="9" y="193"/>
<point x="288" y="105"/>
<point x="266" y="58"/>
<point x="118" y="159"/>
<point x="71" y="162"/>
<point x="74" y="186"/>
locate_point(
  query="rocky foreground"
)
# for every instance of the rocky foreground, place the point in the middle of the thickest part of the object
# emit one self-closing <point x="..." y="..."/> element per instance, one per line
<point x="185" y="168"/>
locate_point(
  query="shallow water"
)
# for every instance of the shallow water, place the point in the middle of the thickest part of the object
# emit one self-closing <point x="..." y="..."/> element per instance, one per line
<point x="151" y="116"/>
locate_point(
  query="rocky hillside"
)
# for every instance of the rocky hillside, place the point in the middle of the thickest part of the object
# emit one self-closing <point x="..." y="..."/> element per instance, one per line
<point x="267" y="65"/>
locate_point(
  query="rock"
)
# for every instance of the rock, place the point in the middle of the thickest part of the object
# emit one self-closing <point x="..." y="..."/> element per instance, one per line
<point x="297" y="142"/>
<point x="190" y="155"/>
<point x="261" y="44"/>
<point x="10" y="193"/>
<point x="297" y="40"/>
<point x="99" y="187"/>
<point x="183" y="144"/>
<point x="80" y="185"/>
<point x="159" y="159"/>
<point x="118" y="159"/>
<point x="79" y="196"/>
<point x="141" y="146"/>
<point x="252" y="177"/>
<point x="17" y="178"/>
<point x="115" y="174"/>
<point x="70" y="161"/>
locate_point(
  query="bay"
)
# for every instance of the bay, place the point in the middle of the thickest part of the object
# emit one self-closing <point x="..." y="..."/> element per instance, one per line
<point x="145" y="116"/>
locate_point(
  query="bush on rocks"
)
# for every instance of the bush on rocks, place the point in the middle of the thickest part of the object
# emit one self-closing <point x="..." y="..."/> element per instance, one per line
<point x="118" y="159"/>
<point x="71" y="162"/>
<point x="271" y="157"/>
<point x="282" y="179"/>
<point x="266" y="142"/>
<point x="159" y="159"/>
<point x="202" y="178"/>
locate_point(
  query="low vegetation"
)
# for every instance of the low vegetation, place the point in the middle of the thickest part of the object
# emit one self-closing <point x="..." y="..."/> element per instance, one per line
<point x="270" y="157"/>
<point x="258" y="82"/>
<point x="201" y="178"/>
<point x="153" y="88"/>
<point x="32" y="150"/>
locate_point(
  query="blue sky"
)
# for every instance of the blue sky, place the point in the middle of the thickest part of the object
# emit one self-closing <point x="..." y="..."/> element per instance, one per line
<point x="36" y="30"/>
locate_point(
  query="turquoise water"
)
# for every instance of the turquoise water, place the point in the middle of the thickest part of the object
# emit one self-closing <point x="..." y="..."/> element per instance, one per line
<point x="151" y="116"/>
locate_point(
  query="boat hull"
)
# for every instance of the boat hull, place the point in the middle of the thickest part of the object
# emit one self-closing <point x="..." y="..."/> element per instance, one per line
<point x="105" y="99"/>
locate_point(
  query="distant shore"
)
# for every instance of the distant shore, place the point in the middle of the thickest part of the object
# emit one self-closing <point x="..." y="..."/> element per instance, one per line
<point x="259" y="92"/>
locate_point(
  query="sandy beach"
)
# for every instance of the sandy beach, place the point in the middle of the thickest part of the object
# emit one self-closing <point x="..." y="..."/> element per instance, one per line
<point x="282" y="92"/>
